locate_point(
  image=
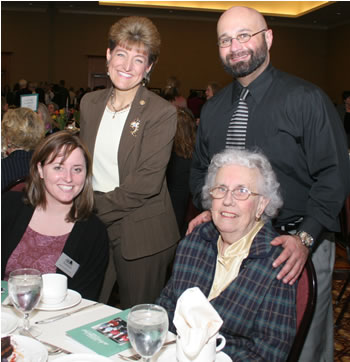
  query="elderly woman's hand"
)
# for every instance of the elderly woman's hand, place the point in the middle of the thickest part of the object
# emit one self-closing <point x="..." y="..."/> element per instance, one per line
<point x="205" y="216"/>
<point x="294" y="254"/>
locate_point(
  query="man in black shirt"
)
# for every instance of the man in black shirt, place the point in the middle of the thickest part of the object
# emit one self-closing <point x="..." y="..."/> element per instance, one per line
<point x="297" y="127"/>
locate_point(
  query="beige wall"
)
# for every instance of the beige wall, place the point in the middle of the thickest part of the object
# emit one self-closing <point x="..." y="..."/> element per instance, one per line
<point x="48" y="47"/>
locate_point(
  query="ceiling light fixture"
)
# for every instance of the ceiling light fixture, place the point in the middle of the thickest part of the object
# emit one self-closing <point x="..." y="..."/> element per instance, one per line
<point x="277" y="8"/>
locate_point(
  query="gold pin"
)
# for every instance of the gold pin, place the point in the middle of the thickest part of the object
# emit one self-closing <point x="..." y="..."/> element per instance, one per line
<point x="142" y="102"/>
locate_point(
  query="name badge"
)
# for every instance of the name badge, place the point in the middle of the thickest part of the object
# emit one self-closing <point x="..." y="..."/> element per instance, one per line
<point x="67" y="265"/>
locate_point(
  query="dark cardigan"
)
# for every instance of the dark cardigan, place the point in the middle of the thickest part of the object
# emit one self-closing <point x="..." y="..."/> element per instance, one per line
<point x="87" y="244"/>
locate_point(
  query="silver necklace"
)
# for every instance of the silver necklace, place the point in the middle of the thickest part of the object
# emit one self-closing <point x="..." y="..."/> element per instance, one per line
<point x="111" y="101"/>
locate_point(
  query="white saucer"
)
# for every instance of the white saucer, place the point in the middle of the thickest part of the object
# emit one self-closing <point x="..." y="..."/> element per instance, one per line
<point x="72" y="299"/>
<point x="168" y="354"/>
<point x="8" y="323"/>
<point x="82" y="357"/>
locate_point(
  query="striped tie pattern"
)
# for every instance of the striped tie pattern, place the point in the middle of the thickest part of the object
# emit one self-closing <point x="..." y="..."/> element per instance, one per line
<point x="237" y="129"/>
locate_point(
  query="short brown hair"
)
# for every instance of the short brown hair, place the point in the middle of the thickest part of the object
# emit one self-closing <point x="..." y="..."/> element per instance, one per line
<point x="44" y="154"/>
<point x="136" y="30"/>
<point x="22" y="128"/>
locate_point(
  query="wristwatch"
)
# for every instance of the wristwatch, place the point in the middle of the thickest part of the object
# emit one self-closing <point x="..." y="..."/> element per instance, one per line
<point x="306" y="239"/>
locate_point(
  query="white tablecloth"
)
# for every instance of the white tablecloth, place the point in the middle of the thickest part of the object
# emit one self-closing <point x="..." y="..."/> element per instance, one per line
<point x="54" y="332"/>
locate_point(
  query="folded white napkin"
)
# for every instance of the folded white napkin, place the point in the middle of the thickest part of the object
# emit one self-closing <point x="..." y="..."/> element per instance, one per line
<point x="196" y="321"/>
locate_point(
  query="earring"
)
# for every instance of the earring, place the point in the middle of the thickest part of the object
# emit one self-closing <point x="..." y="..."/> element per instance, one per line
<point x="146" y="79"/>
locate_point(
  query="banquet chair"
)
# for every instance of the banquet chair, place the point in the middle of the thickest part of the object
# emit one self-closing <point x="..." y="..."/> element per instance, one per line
<point x="306" y="302"/>
<point x="17" y="185"/>
<point x="344" y="242"/>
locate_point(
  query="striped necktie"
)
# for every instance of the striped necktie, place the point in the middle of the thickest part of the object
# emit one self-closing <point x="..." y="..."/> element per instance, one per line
<point x="237" y="129"/>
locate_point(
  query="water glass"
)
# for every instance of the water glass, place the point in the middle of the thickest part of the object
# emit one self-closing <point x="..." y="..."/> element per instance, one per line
<point x="147" y="329"/>
<point x="24" y="286"/>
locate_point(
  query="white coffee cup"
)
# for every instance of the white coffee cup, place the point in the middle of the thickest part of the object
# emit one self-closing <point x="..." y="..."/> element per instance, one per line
<point x="206" y="354"/>
<point x="54" y="288"/>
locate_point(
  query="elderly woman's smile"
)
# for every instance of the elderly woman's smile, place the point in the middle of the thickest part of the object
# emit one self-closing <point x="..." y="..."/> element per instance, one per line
<point x="235" y="218"/>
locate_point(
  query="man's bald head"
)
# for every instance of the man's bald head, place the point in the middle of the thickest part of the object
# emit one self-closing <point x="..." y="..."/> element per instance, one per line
<point x="244" y="15"/>
<point x="245" y="42"/>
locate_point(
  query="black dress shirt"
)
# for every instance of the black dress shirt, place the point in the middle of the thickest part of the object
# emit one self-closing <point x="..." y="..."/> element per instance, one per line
<point x="297" y="127"/>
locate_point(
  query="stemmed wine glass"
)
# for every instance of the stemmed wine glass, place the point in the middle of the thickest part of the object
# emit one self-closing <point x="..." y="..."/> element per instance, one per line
<point x="24" y="286"/>
<point x="147" y="328"/>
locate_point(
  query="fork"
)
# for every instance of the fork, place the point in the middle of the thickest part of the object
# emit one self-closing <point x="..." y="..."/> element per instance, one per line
<point x="137" y="357"/>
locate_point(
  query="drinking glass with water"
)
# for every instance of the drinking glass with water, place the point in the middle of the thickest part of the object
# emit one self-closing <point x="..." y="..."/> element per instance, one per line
<point x="147" y="329"/>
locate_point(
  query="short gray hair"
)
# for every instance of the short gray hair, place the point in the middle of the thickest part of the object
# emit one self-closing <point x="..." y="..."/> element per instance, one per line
<point x="268" y="186"/>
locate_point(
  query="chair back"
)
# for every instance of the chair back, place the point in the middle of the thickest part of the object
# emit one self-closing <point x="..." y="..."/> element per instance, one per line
<point x="305" y="305"/>
<point x="17" y="185"/>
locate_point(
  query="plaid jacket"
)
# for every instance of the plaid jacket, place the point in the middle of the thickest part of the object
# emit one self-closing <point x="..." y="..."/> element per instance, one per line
<point x="259" y="311"/>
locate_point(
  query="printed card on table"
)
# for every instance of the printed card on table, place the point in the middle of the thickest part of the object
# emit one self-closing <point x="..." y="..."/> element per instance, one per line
<point x="106" y="336"/>
<point x="30" y="101"/>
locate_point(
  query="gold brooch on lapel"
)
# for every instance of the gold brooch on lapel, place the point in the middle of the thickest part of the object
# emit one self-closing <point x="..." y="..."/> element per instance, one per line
<point x="135" y="125"/>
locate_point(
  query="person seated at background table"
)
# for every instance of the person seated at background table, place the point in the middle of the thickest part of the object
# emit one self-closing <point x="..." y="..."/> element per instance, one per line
<point x="52" y="108"/>
<point x="52" y="223"/>
<point x="212" y="89"/>
<point x="51" y="126"/>
<point x="195" y="102"/>
<point x="230" y="258"/>
<point x="4" y="106"/>
<point x="22" y="129"/>
<point x="172" y="93"/>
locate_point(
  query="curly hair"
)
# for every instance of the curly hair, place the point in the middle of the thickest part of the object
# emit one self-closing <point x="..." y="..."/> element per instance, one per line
<point x="22" y="128"/>
<point x="268" y="186"/>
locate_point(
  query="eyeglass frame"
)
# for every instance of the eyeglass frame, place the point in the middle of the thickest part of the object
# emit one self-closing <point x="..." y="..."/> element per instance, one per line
<point x="249" y="193"/>
<point x="237" y="38"/>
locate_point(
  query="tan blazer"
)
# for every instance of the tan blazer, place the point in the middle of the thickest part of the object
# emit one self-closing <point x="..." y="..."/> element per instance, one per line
<point x="139" y="211"/>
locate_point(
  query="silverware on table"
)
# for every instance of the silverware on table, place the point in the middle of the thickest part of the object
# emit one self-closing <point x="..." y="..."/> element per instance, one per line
<point x="64" y="315"/>
<point x="137" y="357"/>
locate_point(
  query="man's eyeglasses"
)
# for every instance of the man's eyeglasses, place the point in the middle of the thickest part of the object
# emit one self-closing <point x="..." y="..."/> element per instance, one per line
<point x="242" y="38"/>
<point x="239" y="193"/>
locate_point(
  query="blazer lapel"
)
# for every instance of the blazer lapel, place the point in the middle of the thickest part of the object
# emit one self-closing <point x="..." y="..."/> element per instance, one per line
<point x="133" y="128"/>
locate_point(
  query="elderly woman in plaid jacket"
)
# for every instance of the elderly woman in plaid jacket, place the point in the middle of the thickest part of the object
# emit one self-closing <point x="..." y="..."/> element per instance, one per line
<point x="230" y="259"/>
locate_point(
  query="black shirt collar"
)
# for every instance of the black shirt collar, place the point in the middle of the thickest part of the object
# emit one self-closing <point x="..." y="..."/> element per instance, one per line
<point x="257" y="88"/>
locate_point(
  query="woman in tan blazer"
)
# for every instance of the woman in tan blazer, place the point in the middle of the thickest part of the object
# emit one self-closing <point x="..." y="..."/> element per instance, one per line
<point x="129" y="131"/>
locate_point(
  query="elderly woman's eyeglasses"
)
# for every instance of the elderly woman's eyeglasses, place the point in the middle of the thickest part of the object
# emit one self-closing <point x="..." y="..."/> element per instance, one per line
<point x="239" y="193"/>
<point x="242" y="38"/>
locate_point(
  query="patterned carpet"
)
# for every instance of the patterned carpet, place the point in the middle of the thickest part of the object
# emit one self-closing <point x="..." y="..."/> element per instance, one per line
<point x="341" y="334"/>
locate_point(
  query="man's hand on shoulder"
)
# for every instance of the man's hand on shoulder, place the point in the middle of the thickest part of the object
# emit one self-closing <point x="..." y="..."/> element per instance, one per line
<point x="205" y="216"/>
<point x="294" y="256"/>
